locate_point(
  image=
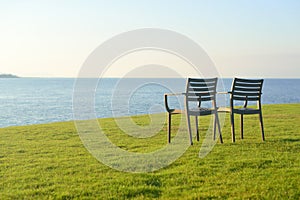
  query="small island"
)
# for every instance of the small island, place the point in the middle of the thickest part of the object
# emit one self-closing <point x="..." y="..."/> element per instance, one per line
<point x="8" y="76"/>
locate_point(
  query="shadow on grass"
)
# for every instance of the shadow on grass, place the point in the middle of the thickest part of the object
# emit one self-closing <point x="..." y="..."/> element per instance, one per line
<point x="144" y="192"/>
<point x="291" y="140"/>
<point x="149" y="189"/>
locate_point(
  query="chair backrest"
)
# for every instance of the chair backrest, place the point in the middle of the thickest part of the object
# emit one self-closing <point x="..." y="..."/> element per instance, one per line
<point x="199" y="90"/>
<point x="246" y="89"/>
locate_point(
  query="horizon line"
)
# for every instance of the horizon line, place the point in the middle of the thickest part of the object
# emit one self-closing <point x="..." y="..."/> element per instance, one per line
<point x="225" y="77"/>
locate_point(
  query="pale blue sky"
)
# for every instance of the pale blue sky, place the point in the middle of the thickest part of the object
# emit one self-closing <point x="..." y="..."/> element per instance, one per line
<point x="246" y="38"/>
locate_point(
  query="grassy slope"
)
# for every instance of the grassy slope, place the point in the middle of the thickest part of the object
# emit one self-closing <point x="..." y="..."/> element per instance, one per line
<point x="49" y="161"/>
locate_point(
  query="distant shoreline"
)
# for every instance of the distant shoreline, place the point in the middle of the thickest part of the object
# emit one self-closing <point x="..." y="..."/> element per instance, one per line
<point x="8" y="76"/>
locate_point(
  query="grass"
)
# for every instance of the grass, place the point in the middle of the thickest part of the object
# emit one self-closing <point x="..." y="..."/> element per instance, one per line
<point x="49" y="161"/>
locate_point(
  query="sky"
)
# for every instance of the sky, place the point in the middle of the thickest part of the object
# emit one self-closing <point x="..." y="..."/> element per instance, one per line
<point x="244" y="38"/>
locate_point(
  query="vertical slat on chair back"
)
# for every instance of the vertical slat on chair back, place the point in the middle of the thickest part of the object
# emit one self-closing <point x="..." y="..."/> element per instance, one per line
<point x="201" y="89"/>
<point x="247" y="89"/>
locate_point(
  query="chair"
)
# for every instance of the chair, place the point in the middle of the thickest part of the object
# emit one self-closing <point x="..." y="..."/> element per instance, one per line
<point x="245" y="90"/>
<point x="197" y="91"/>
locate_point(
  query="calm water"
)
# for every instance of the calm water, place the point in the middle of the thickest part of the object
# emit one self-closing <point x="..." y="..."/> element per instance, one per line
<point x="41" y="100"/>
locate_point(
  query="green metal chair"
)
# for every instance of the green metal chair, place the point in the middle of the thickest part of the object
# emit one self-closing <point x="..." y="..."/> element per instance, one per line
<point x="197" y="91"/>
<point x="246" y="90"/>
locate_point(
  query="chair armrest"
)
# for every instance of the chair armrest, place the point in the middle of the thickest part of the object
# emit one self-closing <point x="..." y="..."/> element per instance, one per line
<point x="229" y="92"/>
<point x="174" y="94"/>
<point x="166" y="99"/>
<point x="223" y="109"/>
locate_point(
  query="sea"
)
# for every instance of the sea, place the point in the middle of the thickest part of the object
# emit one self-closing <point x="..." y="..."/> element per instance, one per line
<point x="25" y="101"/>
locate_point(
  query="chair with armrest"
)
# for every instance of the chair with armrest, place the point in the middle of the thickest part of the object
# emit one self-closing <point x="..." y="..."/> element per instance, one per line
<point x="245" y="90"/>
<point x="198" y="91"/>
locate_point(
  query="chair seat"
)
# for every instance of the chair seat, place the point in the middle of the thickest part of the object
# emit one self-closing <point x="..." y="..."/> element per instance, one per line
<point x="245" y="111"/>
<point x="201" y="111"/>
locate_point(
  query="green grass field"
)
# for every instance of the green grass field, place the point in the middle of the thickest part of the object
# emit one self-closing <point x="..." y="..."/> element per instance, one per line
<point x="49" y="161"/>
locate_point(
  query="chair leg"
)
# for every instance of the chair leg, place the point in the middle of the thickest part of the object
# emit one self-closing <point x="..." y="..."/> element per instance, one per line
<point x="242" y="126"/>
<point x="232" y="126"/>
<point x="197" y="128"/>
<point x="169" y="128"/>
<point x="262" y="126"/>
<point x="219" y="127"/>
<point x="189" y="127"/>
<point x="214" y="127"/>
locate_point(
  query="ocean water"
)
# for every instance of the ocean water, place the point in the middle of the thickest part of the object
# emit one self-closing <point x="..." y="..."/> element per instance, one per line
<point x="26" y="101"/>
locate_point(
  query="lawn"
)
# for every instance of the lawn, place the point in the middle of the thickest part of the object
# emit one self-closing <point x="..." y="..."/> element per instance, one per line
<point x="49" y="161"/>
